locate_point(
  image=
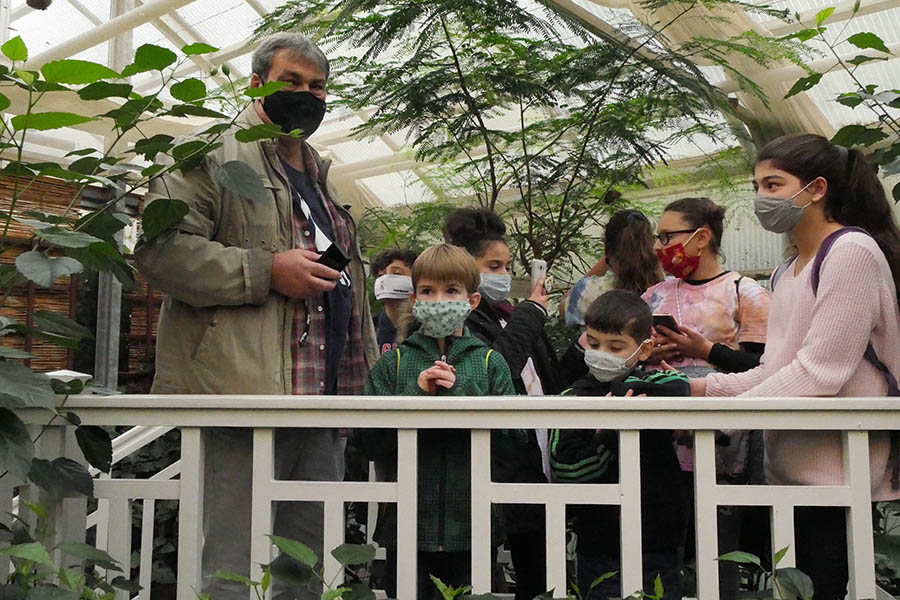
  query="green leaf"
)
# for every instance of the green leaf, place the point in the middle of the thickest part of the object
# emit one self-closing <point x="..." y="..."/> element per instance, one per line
<point x="296" y="550"/>
<point x="4" y="102"/>
<point x="741" y="557"/>
<point x="241" y="180"/>
<point x="779" y="555"/>
<point x="189" y="149"/>
<point x="104" y="225"/>
<point x="354" y="554"/>
<point x="119" y="582"/>
<point x="796" y="582"/>
<point x="91" y="554"/>
<point x="66" y="237"/>
<point x="51" y="592"/>
<point x="34" y="551"/>
<point x="216" y="129"/>
<point x="20" y="387"/>
<point x="192" y="110"/>
<point x="603" y="578"/>
<point x="149" y="57"/>
<point x="895" y="193"/>
<point x="48" y="120"/>
<point x="857" y="135"/>
<point x="803" y="84"/>
<point x="229" y="576"/>
<point x="152" y="170"/>
<point x="658" y="587"/>
<point x="862" y="59"/>
<point x="266" y="89"/>
<point x="335" y="593"/>
<point x="804" y="35"/>
<point x="358" y="591"/>
<point x="61" y="477"/>
<point x="16" y="448"/>
<point x="151" y="146"/>
<point x="7" y="352"/>
<point x="78" y="72"/>
<point x="850" y="99"/>
<point x="96" y="445"/>
<point x="15" y="49"/>
<point x="264" y="131"/>
<point x="71" y="579"/>
<point x="103" y="89"/>
<point x="294" y="573"/>
<point x="823" y="15"/>
<point x="198" y="48"/>
<point x="866" y="40"/>
<point x="188" y="90"/>
<point x="161" y="215"/>
<point x="266" y="581"/>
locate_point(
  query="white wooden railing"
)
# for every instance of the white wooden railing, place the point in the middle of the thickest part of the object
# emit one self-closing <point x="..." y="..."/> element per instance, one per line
<point x="853" y="416"/>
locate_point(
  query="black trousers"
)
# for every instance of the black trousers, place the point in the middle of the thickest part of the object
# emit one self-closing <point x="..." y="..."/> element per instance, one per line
<point x="820" y="535"/>
<point x="529" y="558"/>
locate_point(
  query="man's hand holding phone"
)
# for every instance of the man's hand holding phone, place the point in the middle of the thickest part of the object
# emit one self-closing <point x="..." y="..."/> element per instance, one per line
<point x="298" y="273"/>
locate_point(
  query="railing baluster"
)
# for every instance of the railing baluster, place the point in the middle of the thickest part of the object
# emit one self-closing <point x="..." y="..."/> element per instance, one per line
<point x="630" y="523"/>
<point x="783" y="535"/>
<point x="6" y="506"/>
<point x="334" y="537"/>
<point x="120" y="538"/>
<point x="860" y="542"/>
<point x="706" y="514"/>
<point x="556" y="548"/>
<point x="481" y="511"/>
<point x="261" y="504"/>
<point x="407" y="504"/>
<point x="190" y="514"/>
<point x="145" y="573"/>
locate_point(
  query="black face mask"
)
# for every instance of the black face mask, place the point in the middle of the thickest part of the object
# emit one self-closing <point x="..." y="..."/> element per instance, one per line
<point x="295" y="110"/>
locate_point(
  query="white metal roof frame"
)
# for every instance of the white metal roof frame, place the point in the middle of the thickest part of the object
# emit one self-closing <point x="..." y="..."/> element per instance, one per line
<point x="116" y="23"/>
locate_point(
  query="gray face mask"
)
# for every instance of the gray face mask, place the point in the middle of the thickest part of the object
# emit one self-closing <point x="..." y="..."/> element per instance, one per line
<point x="779" y="215"/>
<point x="495" y="287"/>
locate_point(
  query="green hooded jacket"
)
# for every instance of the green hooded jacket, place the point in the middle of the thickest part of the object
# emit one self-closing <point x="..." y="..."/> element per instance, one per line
<point x="444" y="475"/>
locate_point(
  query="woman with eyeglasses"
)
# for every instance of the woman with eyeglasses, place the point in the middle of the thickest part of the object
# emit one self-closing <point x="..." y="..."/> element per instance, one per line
<point x="721" y="318"/>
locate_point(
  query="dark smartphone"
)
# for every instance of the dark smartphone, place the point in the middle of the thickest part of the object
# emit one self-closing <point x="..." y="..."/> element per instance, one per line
<point x="334" y="258"/>
<point x="667" y="321"/>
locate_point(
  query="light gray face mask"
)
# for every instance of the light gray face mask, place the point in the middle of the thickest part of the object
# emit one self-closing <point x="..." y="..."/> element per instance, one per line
<point x="779" y="215"/>
<point x="609" y="367"/>
<point x="495" y="287"/>
<point x="393" y="287"/>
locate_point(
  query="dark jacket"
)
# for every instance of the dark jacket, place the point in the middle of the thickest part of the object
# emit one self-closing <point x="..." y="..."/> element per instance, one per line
<point x="444" y="473"/>
<point x="588" y="456"/>
<point x="521" y="339"/>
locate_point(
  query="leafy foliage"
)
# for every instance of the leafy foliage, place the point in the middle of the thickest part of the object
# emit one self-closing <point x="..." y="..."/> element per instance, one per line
<point x="67" y="243"/>
<point x="527" y="110"/>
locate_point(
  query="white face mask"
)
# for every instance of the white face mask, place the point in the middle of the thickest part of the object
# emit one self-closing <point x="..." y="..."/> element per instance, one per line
<point x="606" y="367"/>
<point x="393" y="287"/>
<point x="495" y="287"/>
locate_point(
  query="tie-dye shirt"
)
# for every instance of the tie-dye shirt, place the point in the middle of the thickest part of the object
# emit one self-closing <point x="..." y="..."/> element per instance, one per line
<point x="729" y="310"/>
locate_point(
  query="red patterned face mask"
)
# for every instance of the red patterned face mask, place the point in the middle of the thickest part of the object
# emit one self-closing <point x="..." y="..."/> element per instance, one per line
<point x="675" y="260"/>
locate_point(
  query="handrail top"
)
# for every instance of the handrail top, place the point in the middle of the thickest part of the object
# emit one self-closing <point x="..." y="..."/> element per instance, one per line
<point x="481" y="412"/>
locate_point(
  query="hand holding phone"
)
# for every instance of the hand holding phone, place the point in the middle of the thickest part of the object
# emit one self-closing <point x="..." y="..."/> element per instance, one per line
<point x="667" y="321"/>
<point x="334" y="258"/>
<point x="538" y="270"/>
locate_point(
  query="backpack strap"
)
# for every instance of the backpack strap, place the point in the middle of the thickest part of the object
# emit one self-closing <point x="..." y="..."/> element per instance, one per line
<point x="737" y="290"/>
<point x="397" y="374"/>
<point x="779" y="271"/>
<point x="824" y="247"/>
<point x="487" y="357"/>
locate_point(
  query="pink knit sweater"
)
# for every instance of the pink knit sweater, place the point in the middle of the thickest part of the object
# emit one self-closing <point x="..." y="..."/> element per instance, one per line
<point x="814" y="347"/>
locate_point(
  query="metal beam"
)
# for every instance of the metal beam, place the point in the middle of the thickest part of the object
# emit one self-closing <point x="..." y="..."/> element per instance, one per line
<point x="792" y="72"/>
<point x="259" y="8"/>
<point x="179" y="42"/>
<point x="127" y="21"/>
<point x="88" y="14"/>
<point x="842" y="12"/>
<point x="5" y="19"/>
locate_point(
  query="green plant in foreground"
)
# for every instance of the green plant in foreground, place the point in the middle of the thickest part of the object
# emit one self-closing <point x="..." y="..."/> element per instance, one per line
<point x="788" y="581"/>
<point x="36" y="576"/>
<point x="74" y="241"/>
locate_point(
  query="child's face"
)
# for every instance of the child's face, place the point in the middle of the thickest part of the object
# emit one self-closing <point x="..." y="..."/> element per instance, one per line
<point x="429" y="290"/>
<point x="618" y="344"/>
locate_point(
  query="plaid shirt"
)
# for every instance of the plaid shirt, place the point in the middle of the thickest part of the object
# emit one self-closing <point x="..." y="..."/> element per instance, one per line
<point x="308" y="357"/>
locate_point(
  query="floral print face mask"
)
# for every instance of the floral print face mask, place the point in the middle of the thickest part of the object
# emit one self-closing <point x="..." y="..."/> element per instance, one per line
<point x="443" y="318"/>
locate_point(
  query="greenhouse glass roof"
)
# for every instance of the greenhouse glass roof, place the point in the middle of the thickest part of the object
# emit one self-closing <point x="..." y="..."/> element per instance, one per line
<point x="381" y="171"/>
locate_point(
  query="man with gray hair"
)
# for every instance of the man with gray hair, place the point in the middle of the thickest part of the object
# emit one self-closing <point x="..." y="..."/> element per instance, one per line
<point x="262" y="298"/>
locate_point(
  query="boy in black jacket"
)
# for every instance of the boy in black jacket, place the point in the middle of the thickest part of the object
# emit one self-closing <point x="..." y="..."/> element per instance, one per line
<point x="618" y="333"/>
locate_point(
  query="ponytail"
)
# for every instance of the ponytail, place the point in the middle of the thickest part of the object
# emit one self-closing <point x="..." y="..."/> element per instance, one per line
<point x="628" y="239"/>
<point x="854" y="197"/>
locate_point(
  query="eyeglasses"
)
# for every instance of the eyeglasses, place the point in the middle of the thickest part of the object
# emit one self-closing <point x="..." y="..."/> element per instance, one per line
<point x="665" y="237"/>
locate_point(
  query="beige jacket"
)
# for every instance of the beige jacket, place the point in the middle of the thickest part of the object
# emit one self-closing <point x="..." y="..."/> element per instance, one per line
<point x="221" y="329"/>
